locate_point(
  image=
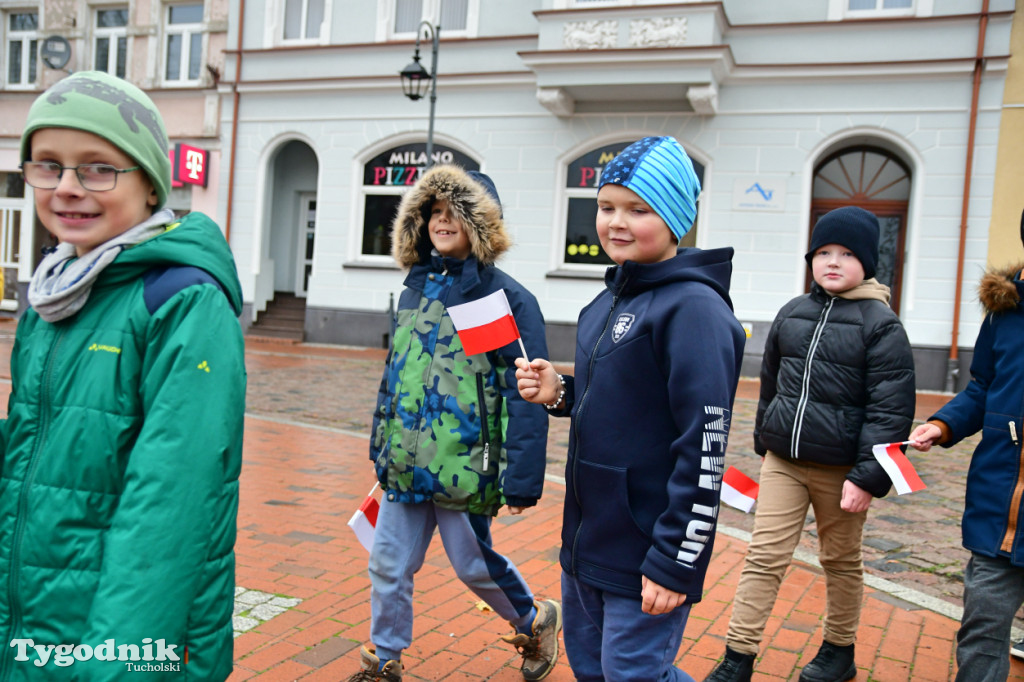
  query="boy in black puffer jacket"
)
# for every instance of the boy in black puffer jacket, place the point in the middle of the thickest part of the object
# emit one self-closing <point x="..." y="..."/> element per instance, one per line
<point x="837" y="377"/>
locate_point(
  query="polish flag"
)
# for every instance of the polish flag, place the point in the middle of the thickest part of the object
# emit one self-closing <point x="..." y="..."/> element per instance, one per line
<point x="739" y="490"/>
<point x="485" y="324"/>
<point x="364" y="521"/>
<point x="899" y="468"/>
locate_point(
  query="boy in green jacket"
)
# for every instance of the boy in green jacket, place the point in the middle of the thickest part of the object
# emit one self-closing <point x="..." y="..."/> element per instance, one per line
<point x="122" y="447"/>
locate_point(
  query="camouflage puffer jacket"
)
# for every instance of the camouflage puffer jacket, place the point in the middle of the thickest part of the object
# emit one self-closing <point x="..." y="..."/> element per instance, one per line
<point x="450" y="427"/>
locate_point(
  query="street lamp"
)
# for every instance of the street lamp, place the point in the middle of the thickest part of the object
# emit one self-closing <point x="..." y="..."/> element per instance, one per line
<point x="415" y="79"/>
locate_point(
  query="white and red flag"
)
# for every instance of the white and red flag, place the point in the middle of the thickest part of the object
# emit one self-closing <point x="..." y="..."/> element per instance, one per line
<point x="739" y="490"/>
<point x="485" y="324"/>
<point x="899" y="468"/>
<point x="364" y="521"/>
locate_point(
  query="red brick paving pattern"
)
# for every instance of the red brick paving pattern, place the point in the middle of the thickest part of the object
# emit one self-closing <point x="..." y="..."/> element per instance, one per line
<point x="301" y="484"/>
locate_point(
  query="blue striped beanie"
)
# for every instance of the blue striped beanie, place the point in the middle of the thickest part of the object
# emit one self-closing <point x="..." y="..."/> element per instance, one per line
<point x="658" y="169"/>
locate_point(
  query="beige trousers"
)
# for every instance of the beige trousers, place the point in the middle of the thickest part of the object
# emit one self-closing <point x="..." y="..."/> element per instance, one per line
<point x="788" y="487"/>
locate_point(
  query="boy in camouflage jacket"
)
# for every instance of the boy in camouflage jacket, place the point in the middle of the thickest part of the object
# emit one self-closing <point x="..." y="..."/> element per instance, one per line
<point x="452" y="439"/>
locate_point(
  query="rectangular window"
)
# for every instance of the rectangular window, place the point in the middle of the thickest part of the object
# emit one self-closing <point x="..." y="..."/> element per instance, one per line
<point x="581" y="248"/>
<point x="303" y="19"/>
<point x="184" y="39"/>
<point x="22" y="48"/>
<point x="453" y="16"/>
<point x="111" y="41"/>
<point x="879" y="5"/>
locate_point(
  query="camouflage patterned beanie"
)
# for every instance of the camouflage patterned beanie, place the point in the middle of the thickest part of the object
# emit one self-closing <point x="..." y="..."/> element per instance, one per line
<point x="113" y="109"/>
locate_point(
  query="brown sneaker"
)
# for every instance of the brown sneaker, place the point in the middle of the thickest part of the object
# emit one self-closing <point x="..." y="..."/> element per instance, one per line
<point x="370" y="669"/>
<point x="539" y="652"/>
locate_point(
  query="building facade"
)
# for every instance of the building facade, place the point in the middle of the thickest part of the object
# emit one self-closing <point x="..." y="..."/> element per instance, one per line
<point x="172" y="50"/>
<point x="789" y="109"/>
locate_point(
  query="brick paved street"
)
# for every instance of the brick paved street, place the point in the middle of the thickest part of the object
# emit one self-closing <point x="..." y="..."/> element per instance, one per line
<point x="913" y="540"/>
<point x="913" y="548"/>
<point x="306" y="471"/>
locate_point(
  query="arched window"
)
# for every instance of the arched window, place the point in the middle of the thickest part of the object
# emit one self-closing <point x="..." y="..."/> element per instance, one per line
<point x="385" y="178"/>
<point x="583" y="175"/>
<point x="878" y="181"/>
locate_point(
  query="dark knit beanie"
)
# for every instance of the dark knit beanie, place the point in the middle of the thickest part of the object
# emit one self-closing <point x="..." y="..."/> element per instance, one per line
<point x="852" y="227"/>
<point x="485" y="181"/>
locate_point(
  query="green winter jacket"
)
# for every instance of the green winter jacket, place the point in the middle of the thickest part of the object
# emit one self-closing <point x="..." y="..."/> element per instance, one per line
<point x="119" y="485"/>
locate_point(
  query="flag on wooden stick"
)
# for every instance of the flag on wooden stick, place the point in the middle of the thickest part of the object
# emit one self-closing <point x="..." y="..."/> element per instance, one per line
<point x="364" y="521"/>
<point x="485" y="324"/>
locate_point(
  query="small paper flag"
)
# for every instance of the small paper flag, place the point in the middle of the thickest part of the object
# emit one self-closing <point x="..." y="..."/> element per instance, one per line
<point x="899" y="468"/>
<point x="364" y="521"/>
<point x="739" y="490"/>
<point x="484" y="324"/>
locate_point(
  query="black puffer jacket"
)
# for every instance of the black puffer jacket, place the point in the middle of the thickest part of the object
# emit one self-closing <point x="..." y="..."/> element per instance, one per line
<point x="837" y="378"/>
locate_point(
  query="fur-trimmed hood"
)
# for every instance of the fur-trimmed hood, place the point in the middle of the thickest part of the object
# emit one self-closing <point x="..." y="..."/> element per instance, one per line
<point x="1000" y="289"/>
<point x="477" y="210"/>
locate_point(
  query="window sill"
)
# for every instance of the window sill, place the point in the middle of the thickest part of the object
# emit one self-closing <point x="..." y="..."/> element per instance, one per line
<point x="365" y="265"/>
<point x="576" y="274"/>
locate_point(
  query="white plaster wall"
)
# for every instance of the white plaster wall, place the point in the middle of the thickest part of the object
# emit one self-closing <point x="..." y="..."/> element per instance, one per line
<point x="521" y="146"/>
<point x="771" y="126"/>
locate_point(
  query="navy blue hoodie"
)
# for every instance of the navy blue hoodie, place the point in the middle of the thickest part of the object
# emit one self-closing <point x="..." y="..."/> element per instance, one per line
<point x="658" y="357"/>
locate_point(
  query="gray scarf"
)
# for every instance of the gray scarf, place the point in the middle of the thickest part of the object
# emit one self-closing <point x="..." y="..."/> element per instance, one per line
<point x="61" y="284"/>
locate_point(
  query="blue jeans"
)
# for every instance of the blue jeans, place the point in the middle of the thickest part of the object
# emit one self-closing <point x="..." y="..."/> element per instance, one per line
<point x="608" y="637"/>
<point x="400" y="542"/>
<point x="993" y="591"/>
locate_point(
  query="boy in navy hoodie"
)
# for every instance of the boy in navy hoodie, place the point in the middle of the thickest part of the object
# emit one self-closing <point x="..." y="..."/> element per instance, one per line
<point x="657" y="361"/>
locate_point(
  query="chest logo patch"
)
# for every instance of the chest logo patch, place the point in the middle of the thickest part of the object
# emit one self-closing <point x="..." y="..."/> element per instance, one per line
<point x="621" y="326"/>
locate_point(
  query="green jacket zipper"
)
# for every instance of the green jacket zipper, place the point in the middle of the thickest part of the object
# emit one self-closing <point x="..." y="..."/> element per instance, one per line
<point x="19" y="525"/>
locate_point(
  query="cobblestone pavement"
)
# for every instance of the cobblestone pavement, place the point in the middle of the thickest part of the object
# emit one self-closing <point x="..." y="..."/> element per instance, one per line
<point x="913" y="540"/>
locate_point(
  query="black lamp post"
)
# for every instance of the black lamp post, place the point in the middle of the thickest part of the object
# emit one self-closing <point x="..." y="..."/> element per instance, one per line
<point x="415" y="79"/>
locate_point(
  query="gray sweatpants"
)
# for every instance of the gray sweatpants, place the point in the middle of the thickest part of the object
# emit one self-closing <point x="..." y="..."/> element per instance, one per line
<point x="993" y="591"/>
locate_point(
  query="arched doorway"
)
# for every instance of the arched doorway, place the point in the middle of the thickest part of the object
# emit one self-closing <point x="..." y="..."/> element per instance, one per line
<point x="289" y="240"/>
<point x="878" y="181"/>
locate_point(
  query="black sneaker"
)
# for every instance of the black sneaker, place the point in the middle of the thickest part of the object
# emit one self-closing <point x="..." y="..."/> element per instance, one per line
<point x="1017" y="650"/>
<point x="539" y="651"/>
<point x="831" y="664"/>
<point x="735" y="667"/>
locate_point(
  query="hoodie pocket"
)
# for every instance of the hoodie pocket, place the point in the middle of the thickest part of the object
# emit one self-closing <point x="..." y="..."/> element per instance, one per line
<point x="609" y="535"/>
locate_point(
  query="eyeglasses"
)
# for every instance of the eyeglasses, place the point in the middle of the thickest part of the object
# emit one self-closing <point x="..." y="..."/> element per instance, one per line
<point x="95" y="177"/>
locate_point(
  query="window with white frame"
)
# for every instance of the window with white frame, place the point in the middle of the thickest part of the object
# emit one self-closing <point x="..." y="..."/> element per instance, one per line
<point x="570" y="4"/>
<point x="386" y="177"/>
<point x="183" y="53"/>
<point x="886" y="6"/>
<point x="453" y="16"/>
<point x="12" y="201"/>
<point x="110" y="40"/>
<point x="22" y="48"/>
<point x="303" y="19"/>
<point x="581" y="245"/>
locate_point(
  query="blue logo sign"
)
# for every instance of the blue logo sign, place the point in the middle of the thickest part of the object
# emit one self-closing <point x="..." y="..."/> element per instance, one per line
<point x="756" y="187"/>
